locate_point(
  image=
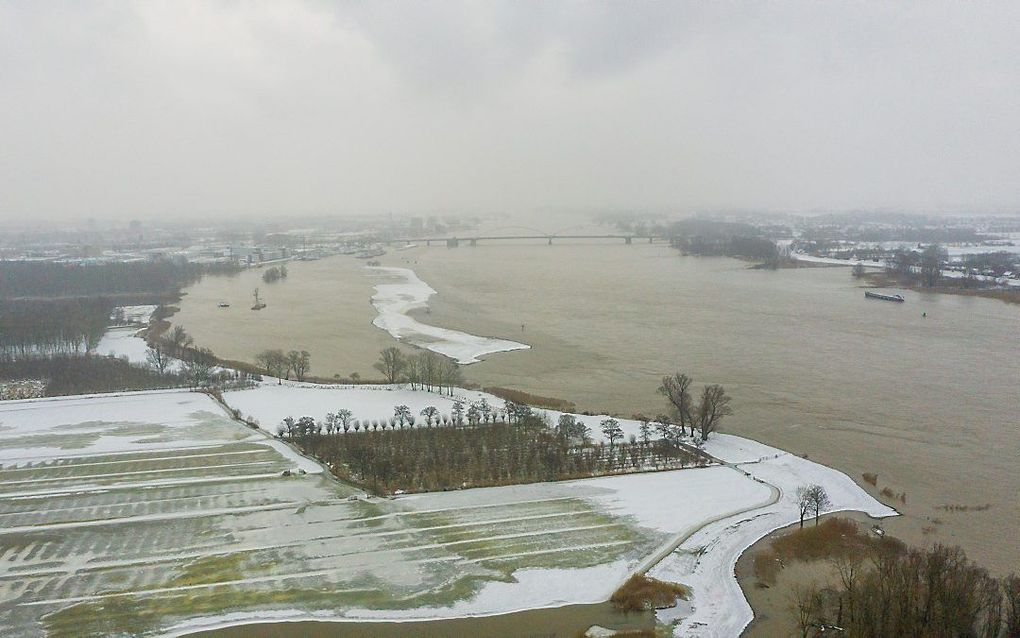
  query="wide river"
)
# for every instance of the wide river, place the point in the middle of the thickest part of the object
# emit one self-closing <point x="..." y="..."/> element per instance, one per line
<point x="929" y="403"/>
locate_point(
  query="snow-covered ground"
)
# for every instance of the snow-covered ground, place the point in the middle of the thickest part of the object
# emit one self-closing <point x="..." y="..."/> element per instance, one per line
<point x="952" y="274"/>
<point x="394" y="300"/>
<point x="705" y="561"/>
<point x="704" y="514"/>
<point x="867" y="263"/>
<point x="150" y="482"/>
<point x="140" y="315"/>
<point x="123" y="342"/>
<point x="270" y="403"/>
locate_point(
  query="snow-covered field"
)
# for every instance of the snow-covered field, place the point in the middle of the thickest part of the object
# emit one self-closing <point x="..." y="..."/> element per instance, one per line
<point x="394" y="300"/>
<point x="147" y="513"/>
<point x="270" y="403"/>
<point x="139" y="315"/>
<point x="718" y="607"/>
<point x="123" y="342"/>
<point x="867" y="263"/>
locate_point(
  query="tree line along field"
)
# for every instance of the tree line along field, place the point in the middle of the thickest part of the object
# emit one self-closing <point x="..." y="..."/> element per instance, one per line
<point x="524" y="450"/>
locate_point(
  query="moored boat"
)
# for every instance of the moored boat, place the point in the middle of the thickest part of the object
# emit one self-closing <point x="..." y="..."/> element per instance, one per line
<point x="877" y="295"/>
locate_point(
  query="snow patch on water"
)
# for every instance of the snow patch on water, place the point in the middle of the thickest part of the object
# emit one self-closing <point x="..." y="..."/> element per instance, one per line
<point x="394" y="300"/>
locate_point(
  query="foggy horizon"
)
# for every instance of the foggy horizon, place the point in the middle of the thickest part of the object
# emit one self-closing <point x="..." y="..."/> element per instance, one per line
<point x="141" y="110"/>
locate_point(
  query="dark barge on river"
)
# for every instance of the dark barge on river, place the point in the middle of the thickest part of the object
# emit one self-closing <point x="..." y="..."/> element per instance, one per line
<point x="878" y="295"/>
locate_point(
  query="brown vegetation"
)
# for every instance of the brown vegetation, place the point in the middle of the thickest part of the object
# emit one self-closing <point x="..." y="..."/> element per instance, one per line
<point x="888" y="493"/>
<point x="832" y="537"/>
<point x="956" y="507"/>
<point x="641" y="593"/>
<point x="883" y="588"/>
<point x="526" y="398"/>
<point x="870" y="478"/>
<point x="767" y="566"/>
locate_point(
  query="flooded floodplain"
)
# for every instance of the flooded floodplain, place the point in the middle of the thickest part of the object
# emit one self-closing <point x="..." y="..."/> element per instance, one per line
<point x="928" y="403"/>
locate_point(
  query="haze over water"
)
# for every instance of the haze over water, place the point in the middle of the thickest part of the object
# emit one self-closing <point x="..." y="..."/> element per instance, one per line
<point x="927" y="403"/>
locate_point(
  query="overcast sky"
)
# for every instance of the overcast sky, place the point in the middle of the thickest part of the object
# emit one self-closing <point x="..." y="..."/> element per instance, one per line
<point x="120" y="109"/>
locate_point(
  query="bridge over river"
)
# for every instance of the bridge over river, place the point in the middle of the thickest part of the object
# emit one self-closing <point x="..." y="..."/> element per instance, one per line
<point x="453" y="242"/>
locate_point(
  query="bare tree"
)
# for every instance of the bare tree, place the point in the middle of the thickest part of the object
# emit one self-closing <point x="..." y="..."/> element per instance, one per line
<point x="430" y="414"/>
<point x="565" y="425"/>
<point x="449" y="374"/>
<point x="403" y="415"/>
<point x="849" y="564"/>
<point x="645" y="428"/>
<point x="488" y="412"/>
<point x="714" y="405"/>
<point x="612" y="431"/>
<point x="458" y="412"/>
<point x="807" y="604"/>
<point x="1011" y="589"/>
<point x="803" y="504"/>
<point x="158" y="357"/>
<point x="178" y="338"/>
<point x="812" y="499"/>
<point x="931" y="265"/>
<point x="299" y="362"/>
<point x="274" y="362"/>
<point x="198" y="367"/>
<point x="676" y="388"/>
<point x="392" y="363"/>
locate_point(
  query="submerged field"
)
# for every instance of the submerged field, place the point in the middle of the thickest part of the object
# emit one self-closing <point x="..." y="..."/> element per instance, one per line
<point x="149" y="513"/>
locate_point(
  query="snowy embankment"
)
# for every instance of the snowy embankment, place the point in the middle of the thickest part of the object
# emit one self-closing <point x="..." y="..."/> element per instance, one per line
<point x="705" y="561"/>
<point x="837" y="262"/>
<point x="394" y="300"/>
<point x="712" y="523"/>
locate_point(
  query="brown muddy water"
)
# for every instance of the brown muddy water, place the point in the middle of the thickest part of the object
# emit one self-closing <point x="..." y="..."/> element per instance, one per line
<point x="930" y="404"/>
<point x="559" y="622"/>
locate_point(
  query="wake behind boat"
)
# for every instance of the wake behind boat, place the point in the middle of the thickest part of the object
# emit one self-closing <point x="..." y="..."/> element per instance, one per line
<point x="877" y="295"/>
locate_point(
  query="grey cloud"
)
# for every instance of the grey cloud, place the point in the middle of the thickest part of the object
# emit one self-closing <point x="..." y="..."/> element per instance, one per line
<point x="134" y="109"/>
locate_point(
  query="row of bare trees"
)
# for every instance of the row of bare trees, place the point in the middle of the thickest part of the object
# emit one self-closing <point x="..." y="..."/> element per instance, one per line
<point x="51" y="327"/>
<point x="523" y="450"/>
<point x="886" y="589"/>
<point x="197" y="365"/>
<point x="425" y="370"/>
<point x="281" y="365"/>
<point x="705" y="415"/>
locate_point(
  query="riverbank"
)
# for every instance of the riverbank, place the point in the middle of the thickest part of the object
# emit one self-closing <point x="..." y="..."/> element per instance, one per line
<point x="568" y="621"/>
<point x="1010" y="295"/>
<point x="773" y="615"/>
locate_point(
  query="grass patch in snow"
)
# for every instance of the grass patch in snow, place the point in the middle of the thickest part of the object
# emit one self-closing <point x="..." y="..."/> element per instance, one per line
<point x="641" y="592"/>
<point x="209" y="569"/>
